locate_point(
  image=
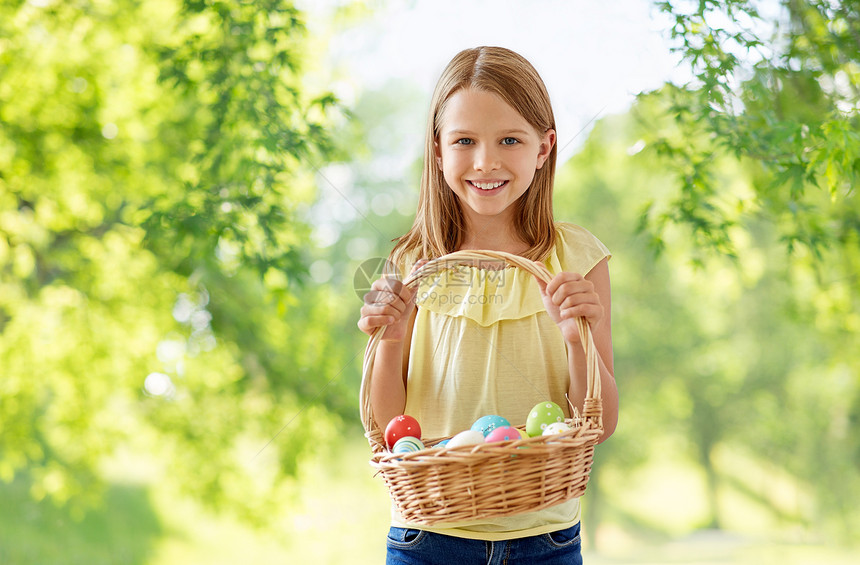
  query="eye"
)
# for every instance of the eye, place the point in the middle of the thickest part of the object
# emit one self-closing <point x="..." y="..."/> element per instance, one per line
<point x="510" y="141"/>
<point x="464" y="141"/>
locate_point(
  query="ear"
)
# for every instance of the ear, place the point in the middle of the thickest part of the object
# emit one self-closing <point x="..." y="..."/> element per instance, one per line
<point x="546" y="144"/>
<point x="437" y="151"/>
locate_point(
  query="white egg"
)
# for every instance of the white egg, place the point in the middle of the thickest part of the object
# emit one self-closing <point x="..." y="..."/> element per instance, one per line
<point x="469" y="437"/>
<point x="556" y="428"/>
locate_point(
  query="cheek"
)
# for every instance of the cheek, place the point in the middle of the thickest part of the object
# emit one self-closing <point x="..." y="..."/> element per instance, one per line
<point x="453" y="164"/>
<point x="526" y="165"/>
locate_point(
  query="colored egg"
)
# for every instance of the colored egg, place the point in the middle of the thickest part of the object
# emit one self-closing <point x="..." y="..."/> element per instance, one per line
<point x="556" y="428"/>
<point x="503" y="433"/>
<point x="524" y="436"/>
<point x="401" y="426"/>
<point x="469" y="437"/>
<point x="407" y="445"/>
<point x="442" y="443"/>
<point x="542" y="415"/>
<point x="486" y="424"/>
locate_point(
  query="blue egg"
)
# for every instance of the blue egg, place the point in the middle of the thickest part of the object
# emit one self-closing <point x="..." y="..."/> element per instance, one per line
<point x="486" y="424"/>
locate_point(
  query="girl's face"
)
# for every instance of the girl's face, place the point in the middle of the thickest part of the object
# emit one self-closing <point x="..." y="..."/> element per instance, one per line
<point x="488" y="152"/>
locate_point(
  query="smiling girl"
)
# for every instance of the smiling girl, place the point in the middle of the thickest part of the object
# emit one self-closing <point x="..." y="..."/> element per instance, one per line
<point x="489" y="167"/>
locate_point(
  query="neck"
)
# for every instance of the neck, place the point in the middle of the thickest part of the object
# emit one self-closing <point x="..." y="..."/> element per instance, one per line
<point x="495" y="233"/>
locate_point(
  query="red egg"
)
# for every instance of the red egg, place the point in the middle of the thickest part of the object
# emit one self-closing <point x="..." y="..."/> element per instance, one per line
<point x="401" y="426"/>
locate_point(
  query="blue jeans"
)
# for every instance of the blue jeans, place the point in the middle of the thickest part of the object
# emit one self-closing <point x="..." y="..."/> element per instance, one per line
<point x="420" y="547"/>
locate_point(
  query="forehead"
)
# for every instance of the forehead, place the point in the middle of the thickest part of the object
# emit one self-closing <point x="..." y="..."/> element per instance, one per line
<point x="480" y="111"/>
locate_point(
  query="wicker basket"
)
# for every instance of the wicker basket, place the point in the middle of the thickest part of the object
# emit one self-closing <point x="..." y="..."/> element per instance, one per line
<point x="445" y="485"/>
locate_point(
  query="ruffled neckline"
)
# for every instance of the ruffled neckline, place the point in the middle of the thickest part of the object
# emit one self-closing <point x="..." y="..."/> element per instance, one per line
<point x="488" y="295"/>
<point x="482" y="295"/>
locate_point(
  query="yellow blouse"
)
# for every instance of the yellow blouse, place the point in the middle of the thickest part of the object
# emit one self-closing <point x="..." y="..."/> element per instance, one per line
<point x="483" y="344"/>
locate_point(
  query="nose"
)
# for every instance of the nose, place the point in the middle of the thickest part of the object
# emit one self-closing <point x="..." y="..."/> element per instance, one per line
<point x="486" y="158"/>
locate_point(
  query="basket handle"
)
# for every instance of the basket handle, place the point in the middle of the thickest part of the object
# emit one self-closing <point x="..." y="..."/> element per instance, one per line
<point x="593" y="408"/>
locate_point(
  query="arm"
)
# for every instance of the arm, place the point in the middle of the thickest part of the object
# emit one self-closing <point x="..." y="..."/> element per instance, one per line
<point x="568" y="296"/>
<point x="389" y="303"/>
<point x="602" y="333"/>
<point x="388" y="384"/>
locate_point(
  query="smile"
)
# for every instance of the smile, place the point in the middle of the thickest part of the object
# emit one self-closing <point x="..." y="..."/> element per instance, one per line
<point x="492" y="185"/>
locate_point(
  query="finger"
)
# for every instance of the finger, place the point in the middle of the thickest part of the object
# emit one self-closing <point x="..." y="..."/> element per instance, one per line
<point x="379" y="311"/>
<point x="395" y="287"/>
<point x="542" y="285"/>
<point x="381" y="297"/>
<point x="591" y="312"/>
<point x="384" y="298"/>
<point x="389" y="284"/>
<point x="370" y="310"/>
<point x="572" y="300"/>
<point x="575" y="286"/>
<point x="369" y="324"/>
<point x="580" y="288"/>
<point x="418" y="264"/>
<point x="388" y="291"/>
<point x="561" y="279"/>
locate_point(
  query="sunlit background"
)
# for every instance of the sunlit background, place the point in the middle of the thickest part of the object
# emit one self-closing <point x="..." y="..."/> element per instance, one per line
<point x="188" y="191"/>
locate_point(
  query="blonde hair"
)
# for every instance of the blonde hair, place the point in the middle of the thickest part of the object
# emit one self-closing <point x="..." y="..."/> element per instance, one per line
<point x="439" y="223"/>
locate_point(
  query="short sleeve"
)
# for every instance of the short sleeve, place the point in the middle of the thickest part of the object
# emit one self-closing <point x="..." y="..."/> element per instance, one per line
<point x="576" y="250"/>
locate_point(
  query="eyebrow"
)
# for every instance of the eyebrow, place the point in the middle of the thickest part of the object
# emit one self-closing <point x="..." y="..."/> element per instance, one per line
<point x="506" y="132"/>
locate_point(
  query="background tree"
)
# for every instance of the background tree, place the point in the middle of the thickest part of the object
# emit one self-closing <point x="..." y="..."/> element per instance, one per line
<point x="780" y="92"/>
<point x="724" y="363"/>
<point x="154" y="160"/>
<point x="755" y="156"/>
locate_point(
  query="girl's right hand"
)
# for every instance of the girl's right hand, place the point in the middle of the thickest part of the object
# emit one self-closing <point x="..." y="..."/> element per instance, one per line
<point x="389" y="303"/>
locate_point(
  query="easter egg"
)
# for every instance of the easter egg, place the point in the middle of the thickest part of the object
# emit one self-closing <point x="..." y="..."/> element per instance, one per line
<point x="401" y="426"/>
<point x="407" y="444"/>
<point x="486" y="424"/>
<point x="503" y="433"/>
<point x="556" y="428"/>
<point x="442" y="443"/>
<point x="469" y="437"/>
<point x="542" y="415"/>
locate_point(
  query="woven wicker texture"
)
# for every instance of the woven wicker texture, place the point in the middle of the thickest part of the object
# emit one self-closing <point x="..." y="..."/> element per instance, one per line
<point x="469" y="483"/>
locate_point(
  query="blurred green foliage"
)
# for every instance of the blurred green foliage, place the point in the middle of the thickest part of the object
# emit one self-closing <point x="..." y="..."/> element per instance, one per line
<point x="719" y="354"/>
<point x="154" y="161"/>
<point x="743" y="336"/>
<point x="779" y="91"/>
<point x="41" y="532"/>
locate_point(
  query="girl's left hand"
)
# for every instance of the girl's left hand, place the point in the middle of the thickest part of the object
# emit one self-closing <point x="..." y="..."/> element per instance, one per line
<point x="569" y="296"/>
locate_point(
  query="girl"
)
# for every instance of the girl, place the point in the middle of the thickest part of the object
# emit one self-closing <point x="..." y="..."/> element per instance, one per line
<point x="484" y="341"/>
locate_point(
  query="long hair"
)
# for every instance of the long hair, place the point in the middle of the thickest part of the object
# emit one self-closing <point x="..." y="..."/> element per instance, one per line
<point x="439" y="222"/>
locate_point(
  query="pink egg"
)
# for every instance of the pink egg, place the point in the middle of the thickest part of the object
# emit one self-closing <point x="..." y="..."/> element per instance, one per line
<point x="503" y="433"/>
<point x="401" y="426"/>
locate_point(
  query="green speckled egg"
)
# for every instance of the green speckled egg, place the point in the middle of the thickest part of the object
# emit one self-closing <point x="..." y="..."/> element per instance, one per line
<point x="542" y="415"/>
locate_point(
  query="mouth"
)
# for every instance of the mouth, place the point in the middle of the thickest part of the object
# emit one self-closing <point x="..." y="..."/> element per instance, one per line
<point x="487" y="186"/>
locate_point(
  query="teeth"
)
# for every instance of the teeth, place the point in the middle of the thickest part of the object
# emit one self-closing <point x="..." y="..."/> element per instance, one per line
<point x="487" y="185"/>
